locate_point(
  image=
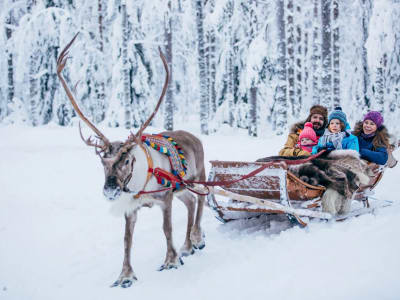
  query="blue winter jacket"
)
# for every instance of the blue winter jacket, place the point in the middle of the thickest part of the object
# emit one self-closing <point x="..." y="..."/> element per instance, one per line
<point x="367" y="151"/>
<point x="349" y="142"/>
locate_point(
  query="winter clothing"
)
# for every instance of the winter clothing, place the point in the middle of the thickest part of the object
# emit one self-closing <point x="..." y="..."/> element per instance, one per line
<point x="318" y="109"/>
<point x="308" y="132"/>
<point x="337" y="114"/>
<point x="290" y="148"/>
<point x="334" y="138"/>
<point x="342" y="140"/>
<point x="378" y="156"/>
<point x="373" y="147"/>
<point x="307" y="148"/>
<point x="375" y="117"/>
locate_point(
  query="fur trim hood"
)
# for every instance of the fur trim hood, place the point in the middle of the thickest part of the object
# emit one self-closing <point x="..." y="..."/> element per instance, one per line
<point x="296" y="127"/>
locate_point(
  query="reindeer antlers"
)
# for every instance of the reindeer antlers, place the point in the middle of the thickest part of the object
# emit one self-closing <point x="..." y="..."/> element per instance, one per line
<point x="137" y="137"/>
<point x="61" y="61"/>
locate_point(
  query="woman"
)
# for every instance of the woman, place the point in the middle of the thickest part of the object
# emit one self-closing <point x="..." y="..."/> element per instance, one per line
<point x="337" y="136"/>
<point x="373" y="138"/>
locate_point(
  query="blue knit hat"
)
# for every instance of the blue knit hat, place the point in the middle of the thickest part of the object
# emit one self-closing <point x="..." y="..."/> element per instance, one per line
<point x="338" y="114"/>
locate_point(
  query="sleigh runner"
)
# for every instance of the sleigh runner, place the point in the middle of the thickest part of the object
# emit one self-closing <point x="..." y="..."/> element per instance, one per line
<point x="276" y="190"/>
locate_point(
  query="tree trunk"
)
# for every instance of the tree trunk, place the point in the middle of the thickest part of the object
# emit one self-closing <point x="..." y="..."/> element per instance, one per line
<point x="204" y="105"/>
<point x="316" y="55"/>
<point x="380" y="83"/>
<point x="169" y="101"/>
<point x="336" y="53"/>
<point x="367" y="7"/>
<point x="125" y="68"/>
<point x="253" y="112"/>
<point x="280" y="92"/>
<point x="299" y="70"/>
<point x="326" y="54"/>
<point x="10" y="61"/>
<point x="290" y="57"/>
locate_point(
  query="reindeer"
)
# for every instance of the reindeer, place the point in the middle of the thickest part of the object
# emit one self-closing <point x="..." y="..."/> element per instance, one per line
<point x="127" y="176"/>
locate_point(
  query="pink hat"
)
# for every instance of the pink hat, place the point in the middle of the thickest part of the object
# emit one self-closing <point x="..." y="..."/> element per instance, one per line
<point x="308" y="132"/>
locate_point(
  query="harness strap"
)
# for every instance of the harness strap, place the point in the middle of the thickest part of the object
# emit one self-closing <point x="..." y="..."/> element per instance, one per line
<point x="149" y="171"/>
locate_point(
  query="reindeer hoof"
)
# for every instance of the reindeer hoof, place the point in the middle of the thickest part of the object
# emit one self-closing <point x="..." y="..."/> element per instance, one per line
<point x="124" y="282"/>
<point x="200" y="246"/>
<point x="169" y="266"/>
<point x="186" y="252"/>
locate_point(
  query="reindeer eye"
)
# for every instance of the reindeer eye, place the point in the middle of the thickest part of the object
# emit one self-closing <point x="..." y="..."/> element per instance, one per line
<point x="126" y="162"/>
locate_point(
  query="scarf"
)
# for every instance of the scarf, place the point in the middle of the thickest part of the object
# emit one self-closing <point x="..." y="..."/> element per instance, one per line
<point x="334" y="138"/>
<point x="307" y="148"/>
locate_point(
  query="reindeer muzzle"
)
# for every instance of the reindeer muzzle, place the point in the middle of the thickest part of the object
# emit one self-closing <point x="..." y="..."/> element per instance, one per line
<point x="111" y="188"/>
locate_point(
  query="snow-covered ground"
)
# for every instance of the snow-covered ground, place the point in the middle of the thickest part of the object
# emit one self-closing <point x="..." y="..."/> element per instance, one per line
<point x="58" y="239"/>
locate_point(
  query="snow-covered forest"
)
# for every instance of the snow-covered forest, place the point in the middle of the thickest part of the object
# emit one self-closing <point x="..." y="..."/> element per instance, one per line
<point x="252" y="64"/>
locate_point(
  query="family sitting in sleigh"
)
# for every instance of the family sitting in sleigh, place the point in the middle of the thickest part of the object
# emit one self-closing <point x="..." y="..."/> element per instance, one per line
<point x="351" y="159"/>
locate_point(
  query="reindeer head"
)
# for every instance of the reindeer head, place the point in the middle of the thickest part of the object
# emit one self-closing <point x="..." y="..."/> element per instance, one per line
<point x="117" y="158"/>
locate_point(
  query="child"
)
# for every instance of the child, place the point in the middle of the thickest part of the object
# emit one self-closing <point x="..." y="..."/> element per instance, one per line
<point x="337" y="135"/>
<point x="307" y="138"/>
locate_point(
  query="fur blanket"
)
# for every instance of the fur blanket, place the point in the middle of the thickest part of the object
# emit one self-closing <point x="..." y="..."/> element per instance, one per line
<point x="341" y="172"/>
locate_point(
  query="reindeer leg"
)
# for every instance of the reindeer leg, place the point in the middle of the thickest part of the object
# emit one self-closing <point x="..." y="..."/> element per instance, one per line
<point x="189" y="200"/>
<point x="127" y="276"/>
<point x="171" y="260"/>
<point x="197" y="235"/>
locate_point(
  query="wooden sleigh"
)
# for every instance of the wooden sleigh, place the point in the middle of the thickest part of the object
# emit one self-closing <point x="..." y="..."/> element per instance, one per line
<point x="275" y="190"/>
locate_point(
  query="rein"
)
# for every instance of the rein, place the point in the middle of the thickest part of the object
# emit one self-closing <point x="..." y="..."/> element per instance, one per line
<point x="255" y="172"/>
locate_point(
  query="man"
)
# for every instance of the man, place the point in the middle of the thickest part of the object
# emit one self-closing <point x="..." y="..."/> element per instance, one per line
<point x="318" y="117"/>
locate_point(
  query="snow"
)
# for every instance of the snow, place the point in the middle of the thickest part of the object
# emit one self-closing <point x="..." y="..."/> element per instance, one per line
<point x="59" y="240"/>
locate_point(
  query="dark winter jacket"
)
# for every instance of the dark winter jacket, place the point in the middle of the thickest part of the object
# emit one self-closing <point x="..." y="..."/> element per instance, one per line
<point x="378" y="156"/>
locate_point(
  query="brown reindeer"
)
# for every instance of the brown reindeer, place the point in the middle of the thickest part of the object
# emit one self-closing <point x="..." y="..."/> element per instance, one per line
<point x="126" y="170"/>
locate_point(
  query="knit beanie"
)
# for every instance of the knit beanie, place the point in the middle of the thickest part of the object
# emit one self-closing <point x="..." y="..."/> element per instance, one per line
<point x="338" y="114"/>
<point x="319" y="109"/>
<point x="308" y="132"/>
<point x="375" y="117"/>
